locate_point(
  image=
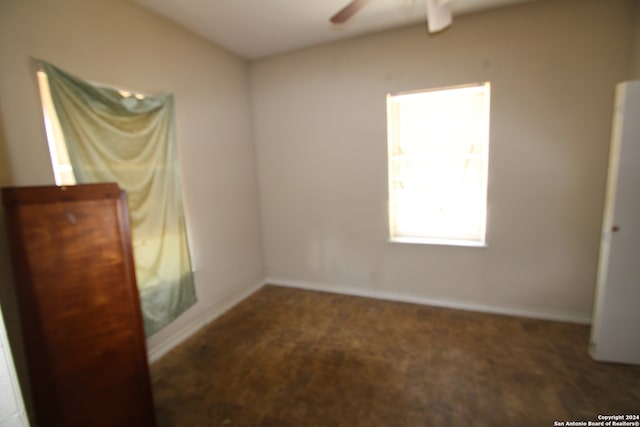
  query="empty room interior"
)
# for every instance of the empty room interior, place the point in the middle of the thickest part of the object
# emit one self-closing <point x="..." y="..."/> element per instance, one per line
<point x="307" y="310"/>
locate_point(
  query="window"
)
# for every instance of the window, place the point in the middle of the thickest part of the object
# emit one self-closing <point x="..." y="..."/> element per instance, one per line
<point x="102" y="134"/>
<point x="62" y="170"/>
<point x="438" y="142"/>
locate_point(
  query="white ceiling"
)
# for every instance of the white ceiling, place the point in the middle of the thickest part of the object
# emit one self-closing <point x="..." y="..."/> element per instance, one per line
<point x="259" y="28"/>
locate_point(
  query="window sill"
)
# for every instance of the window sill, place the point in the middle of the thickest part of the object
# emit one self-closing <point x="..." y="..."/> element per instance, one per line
<point x="438" y="242"/>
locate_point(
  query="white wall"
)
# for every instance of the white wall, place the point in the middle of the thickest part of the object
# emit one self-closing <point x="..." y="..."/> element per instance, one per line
<point x="12" y="412"/>
<point x="320" y="132"/>
<point x="117" y="42"/>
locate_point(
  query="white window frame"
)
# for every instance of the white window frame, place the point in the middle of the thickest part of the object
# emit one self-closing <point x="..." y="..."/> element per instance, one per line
<point x="394" y="179"/>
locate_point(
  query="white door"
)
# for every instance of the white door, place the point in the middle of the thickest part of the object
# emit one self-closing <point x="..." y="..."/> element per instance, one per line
<point x="615" y="334"/>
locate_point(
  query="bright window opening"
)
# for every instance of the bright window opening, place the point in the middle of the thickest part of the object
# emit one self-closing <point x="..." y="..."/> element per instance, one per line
<point x="438" y="143"/>
<point x="62" y="170"/>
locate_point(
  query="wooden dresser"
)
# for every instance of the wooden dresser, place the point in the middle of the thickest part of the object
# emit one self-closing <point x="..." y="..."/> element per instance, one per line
<point x="79" y="306"/>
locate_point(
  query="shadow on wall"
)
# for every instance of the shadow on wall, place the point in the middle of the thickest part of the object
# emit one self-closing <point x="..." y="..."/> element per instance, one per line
<point x="5" y="165"/>
<point x="7" y="288"/>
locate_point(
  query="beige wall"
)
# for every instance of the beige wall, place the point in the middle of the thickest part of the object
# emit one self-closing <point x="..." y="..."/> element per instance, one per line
<point x="119" y="43"/>
<point x="320" y="133"/>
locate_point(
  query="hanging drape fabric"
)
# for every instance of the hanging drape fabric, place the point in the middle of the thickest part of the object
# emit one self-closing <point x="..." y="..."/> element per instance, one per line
<point x="113" y="136"/>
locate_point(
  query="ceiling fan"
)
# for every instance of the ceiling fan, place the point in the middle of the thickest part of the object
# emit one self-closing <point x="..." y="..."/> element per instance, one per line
<point x="438" y="13"/>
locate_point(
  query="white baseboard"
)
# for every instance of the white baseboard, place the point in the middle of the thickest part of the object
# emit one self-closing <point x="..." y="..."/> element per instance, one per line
<point x="190" y="329"/>
<point x="460" y="305"/>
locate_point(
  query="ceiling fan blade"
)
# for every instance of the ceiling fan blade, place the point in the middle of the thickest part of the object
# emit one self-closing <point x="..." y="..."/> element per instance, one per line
<point x="348" y="11"/>
<point x="438" y="15"/>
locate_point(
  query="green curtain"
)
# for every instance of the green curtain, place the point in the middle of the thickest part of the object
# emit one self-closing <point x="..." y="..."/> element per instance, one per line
<point x="116" y="137"/>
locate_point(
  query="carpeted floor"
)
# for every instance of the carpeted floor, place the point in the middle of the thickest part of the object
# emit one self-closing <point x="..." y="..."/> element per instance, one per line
<point x="290" y="358"/>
